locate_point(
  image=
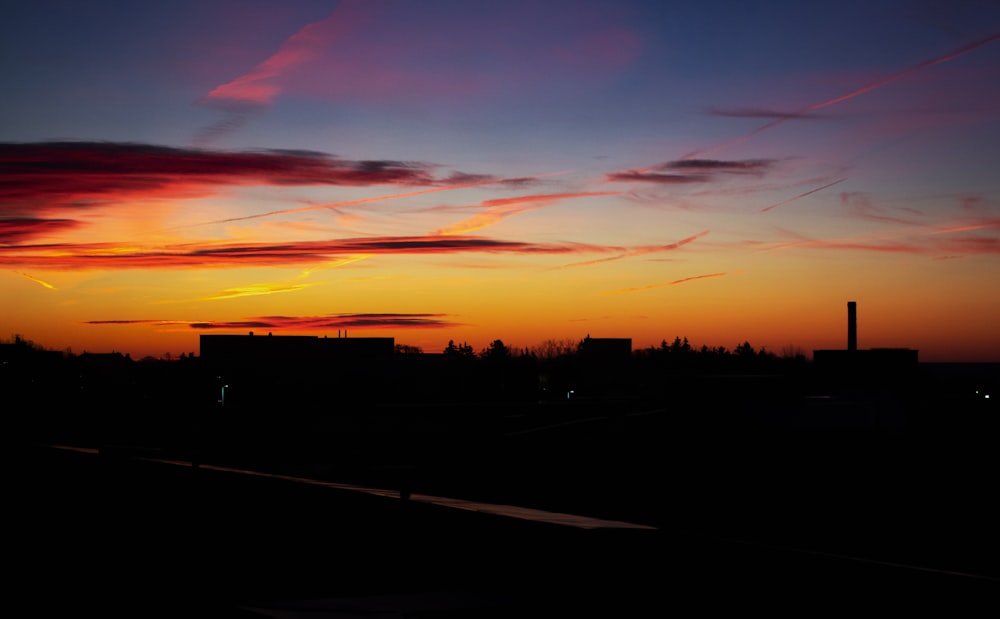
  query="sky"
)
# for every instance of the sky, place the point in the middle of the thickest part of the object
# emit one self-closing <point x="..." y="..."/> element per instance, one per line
<point x="446" y="170"/>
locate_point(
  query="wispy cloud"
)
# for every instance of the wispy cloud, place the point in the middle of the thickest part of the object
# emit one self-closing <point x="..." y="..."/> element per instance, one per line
<point x="640" y="250"/>
<point x="781" y="118"/>
<point x="895" y="247"/>
<point x="477" y="181"/>
<point x="860" y="205"/>
<point x="949" y="240"/>
<point x="676" y="282"/>
<point x="989" y="223"/>
<point x="252" y="290"/>
<point x="974" y="245"/>
<point x="501" y="208"/>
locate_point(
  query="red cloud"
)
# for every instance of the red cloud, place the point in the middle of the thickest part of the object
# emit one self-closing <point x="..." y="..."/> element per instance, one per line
<point x="692" y="171"/>
<point x="18" y="229"/>
<point x="107" y="255"/>
<point x="59" y="174"/>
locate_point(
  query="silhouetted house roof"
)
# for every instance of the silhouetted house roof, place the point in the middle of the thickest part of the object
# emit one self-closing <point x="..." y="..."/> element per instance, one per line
<point x="605" y="365"/>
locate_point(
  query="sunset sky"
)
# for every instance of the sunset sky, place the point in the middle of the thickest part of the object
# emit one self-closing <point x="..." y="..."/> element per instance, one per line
<point x="441" y="170"/>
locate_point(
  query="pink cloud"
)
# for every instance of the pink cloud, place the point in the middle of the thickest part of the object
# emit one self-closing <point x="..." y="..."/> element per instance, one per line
<point x="373" y="51"/>
<point x="263" y="83"/>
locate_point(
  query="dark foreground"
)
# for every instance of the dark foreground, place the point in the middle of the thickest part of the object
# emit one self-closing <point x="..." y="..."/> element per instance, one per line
<point x="103" y="535"/>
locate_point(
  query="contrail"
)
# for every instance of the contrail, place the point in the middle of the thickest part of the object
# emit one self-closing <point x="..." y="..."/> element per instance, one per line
<point x="854" y="93"/>
<point x="394" y="196"/>
<point x="673" y="283"/>
<point x="638" y="251"/>
<point x="499" y="209"/>
<point x="801" y="195"/>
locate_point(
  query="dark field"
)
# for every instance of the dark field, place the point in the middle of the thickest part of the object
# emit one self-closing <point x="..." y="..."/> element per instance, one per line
<point x="759" y="517"/>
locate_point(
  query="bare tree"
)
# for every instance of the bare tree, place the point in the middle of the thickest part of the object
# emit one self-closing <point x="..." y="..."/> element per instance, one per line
<point x="554" y="348"/>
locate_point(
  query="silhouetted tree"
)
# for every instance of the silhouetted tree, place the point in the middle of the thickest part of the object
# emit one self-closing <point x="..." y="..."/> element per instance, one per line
<point x="552" y="348"/>
<point x="496" y="351"/>
<point x="461" y="351"/>
<point x="792" y="352"/>
<point x="679" y="346"/>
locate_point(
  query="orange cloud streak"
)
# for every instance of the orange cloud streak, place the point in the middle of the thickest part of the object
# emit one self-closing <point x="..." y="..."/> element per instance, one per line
<point x="988" y="224"/>
<point x="38" y="281"/>
<point x="211" y="255"/>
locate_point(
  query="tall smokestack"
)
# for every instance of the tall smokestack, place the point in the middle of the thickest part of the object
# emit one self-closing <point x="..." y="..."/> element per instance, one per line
<point x="852" y="325"/>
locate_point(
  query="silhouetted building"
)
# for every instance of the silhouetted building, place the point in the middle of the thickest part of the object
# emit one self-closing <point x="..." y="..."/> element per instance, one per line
<point x="606" y="350"/>
<point x="293" y="370"/>
<point x="256" y="350"/>
<point x="605" y="366"/>
<point x="871" y="364"/>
